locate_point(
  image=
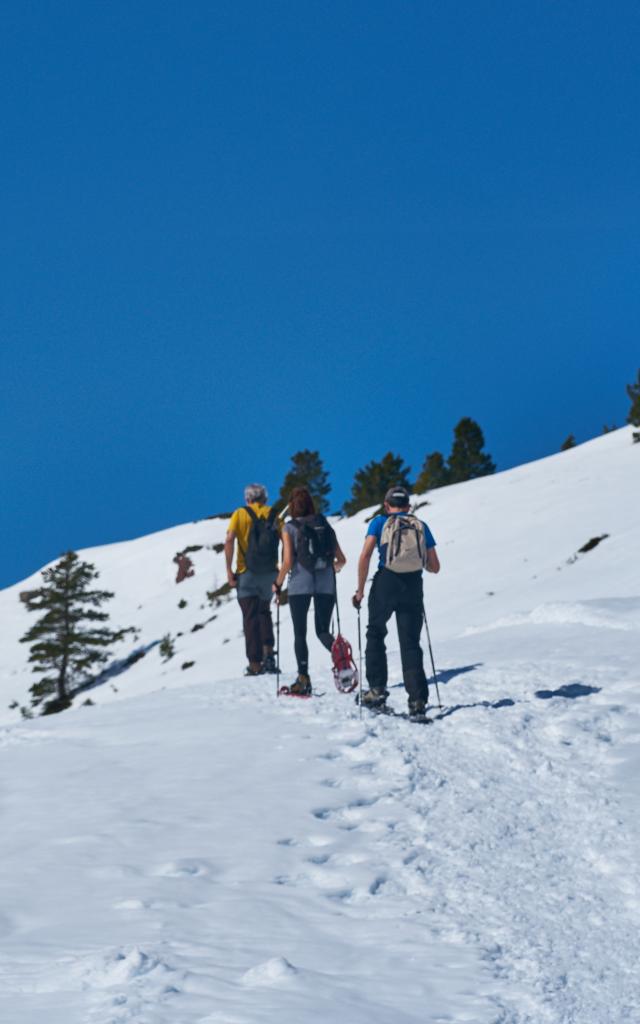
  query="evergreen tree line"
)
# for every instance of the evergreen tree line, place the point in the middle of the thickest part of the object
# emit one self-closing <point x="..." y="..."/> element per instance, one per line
<point x="466" y="461"/>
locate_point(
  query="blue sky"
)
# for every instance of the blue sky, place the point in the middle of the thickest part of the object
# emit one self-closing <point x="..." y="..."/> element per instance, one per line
<point x="232" y="230"/>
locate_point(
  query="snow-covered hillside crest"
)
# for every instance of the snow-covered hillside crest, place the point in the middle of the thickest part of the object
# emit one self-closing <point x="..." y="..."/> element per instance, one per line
<point x="191" y="849"/>
<point x="508" y="544"/>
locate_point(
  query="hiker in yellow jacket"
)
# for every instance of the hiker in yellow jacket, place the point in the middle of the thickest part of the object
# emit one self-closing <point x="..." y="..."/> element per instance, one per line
<point x="256" y="529"/>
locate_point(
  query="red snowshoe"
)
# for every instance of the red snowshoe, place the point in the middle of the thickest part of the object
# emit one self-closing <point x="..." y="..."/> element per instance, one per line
<point x="345" y="673"/>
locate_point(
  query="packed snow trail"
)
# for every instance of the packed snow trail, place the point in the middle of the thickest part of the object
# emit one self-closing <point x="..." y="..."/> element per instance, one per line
<point x="237" y="859"/>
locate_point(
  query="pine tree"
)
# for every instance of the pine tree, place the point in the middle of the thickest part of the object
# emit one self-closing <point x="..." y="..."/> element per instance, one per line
<point x="371" y="483"/>
<point x="633" y="391"/>
<point x="307" y="471"/>
<point x="65" y="642"/>
<point x="570" y="442"/>
<point x="434" y="473"/>
<point x="467" y="460"/>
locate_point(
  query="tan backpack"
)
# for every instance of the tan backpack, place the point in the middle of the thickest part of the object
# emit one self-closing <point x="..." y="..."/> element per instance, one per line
<point x="406" y="547"/>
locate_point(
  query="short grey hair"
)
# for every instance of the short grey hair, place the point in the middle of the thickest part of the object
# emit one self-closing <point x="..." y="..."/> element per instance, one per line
<point x="255" y="492"/>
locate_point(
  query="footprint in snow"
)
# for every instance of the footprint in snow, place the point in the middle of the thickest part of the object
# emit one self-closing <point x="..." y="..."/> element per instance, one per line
<point x="340" y="895"/>
<point x="322" y="813"/>
<point x="185" y="868"/>
<point x="348" y="817"/>
<point x="377" y="885"/>
<point x="319" y="858"/>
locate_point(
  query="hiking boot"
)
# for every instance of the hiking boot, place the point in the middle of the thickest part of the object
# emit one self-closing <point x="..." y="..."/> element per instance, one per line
<point x="302" y="686"/>
<point x="374" y="698"/>
<point x="254" y="668"/>
<point x="269" y="664"/>
<point x="418" y="710"/>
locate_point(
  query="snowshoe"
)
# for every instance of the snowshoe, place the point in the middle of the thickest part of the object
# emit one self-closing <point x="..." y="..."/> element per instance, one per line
<point x="345" y="673"/>
<point x="301" y="688"/>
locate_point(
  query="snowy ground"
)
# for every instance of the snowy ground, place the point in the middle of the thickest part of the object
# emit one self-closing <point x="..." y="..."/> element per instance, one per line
<point x="203" y="853"/>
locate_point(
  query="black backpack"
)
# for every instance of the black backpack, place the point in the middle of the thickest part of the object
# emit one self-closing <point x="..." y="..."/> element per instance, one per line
<point x="262" y="550"/>
<point x="317" y="542"/>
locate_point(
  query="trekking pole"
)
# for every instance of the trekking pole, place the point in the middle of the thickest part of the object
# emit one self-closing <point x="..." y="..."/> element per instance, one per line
<point x="359" y="663"/>
<point x="435" y="677"/>
<point x="335" y="591"/>
<point x="277" y="645"/>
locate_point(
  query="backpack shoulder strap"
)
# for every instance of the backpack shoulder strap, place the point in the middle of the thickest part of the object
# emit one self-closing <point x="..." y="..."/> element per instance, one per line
<point x="272" y="515"/>
<point x="254" y="519"/>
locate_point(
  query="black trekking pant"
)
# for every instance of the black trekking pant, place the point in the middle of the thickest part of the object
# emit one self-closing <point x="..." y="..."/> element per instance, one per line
<point x="323" y="610"/>
<point x="400" y="593"/>
<point x="258" y="627"/>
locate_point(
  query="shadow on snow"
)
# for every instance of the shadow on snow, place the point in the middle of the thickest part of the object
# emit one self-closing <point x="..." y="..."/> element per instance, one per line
<point x="116" y="668"/>
<point x="570" y="691"/>
<point x="444" y="675"/>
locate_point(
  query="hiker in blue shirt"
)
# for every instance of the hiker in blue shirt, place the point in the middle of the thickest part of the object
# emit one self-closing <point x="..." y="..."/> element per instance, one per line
<point x="406" y="547"/>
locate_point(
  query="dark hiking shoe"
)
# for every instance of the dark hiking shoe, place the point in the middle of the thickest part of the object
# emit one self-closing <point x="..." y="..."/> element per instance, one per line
<point x="254" y="668"/>
<point x="418" y="710"/>
<point x="301" y="687"/>
<point x="374" y="698"/>
<point x="269" y="664"/>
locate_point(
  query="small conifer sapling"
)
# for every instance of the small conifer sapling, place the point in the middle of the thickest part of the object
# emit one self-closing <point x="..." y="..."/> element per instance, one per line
<point x="167" y="647"/>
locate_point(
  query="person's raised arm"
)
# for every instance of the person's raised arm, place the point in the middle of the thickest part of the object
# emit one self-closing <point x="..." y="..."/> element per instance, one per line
<point x="229" y="544"/>
<point x="368" y="548"/>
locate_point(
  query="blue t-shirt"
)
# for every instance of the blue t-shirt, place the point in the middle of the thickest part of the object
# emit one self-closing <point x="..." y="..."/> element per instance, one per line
<point x="376" y="527"/>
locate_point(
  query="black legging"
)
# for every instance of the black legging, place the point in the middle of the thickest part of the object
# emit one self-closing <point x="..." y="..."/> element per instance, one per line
<point x="323" y="610"/>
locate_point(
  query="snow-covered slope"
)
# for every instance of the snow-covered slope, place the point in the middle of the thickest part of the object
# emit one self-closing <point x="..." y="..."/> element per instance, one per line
<point x="198" y="851"/>
<point x="506" y="543"/>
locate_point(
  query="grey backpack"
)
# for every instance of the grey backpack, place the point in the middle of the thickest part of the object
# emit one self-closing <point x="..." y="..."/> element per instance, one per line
<point x="406" y="546"/>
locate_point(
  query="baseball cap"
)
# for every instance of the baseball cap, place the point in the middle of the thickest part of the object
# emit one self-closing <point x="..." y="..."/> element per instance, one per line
<point x="397" y="496"/>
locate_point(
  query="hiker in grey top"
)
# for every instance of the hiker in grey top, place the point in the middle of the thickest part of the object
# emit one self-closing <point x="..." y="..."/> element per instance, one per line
<point x="306" y="581"/>
<point x="311" y="558"/>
